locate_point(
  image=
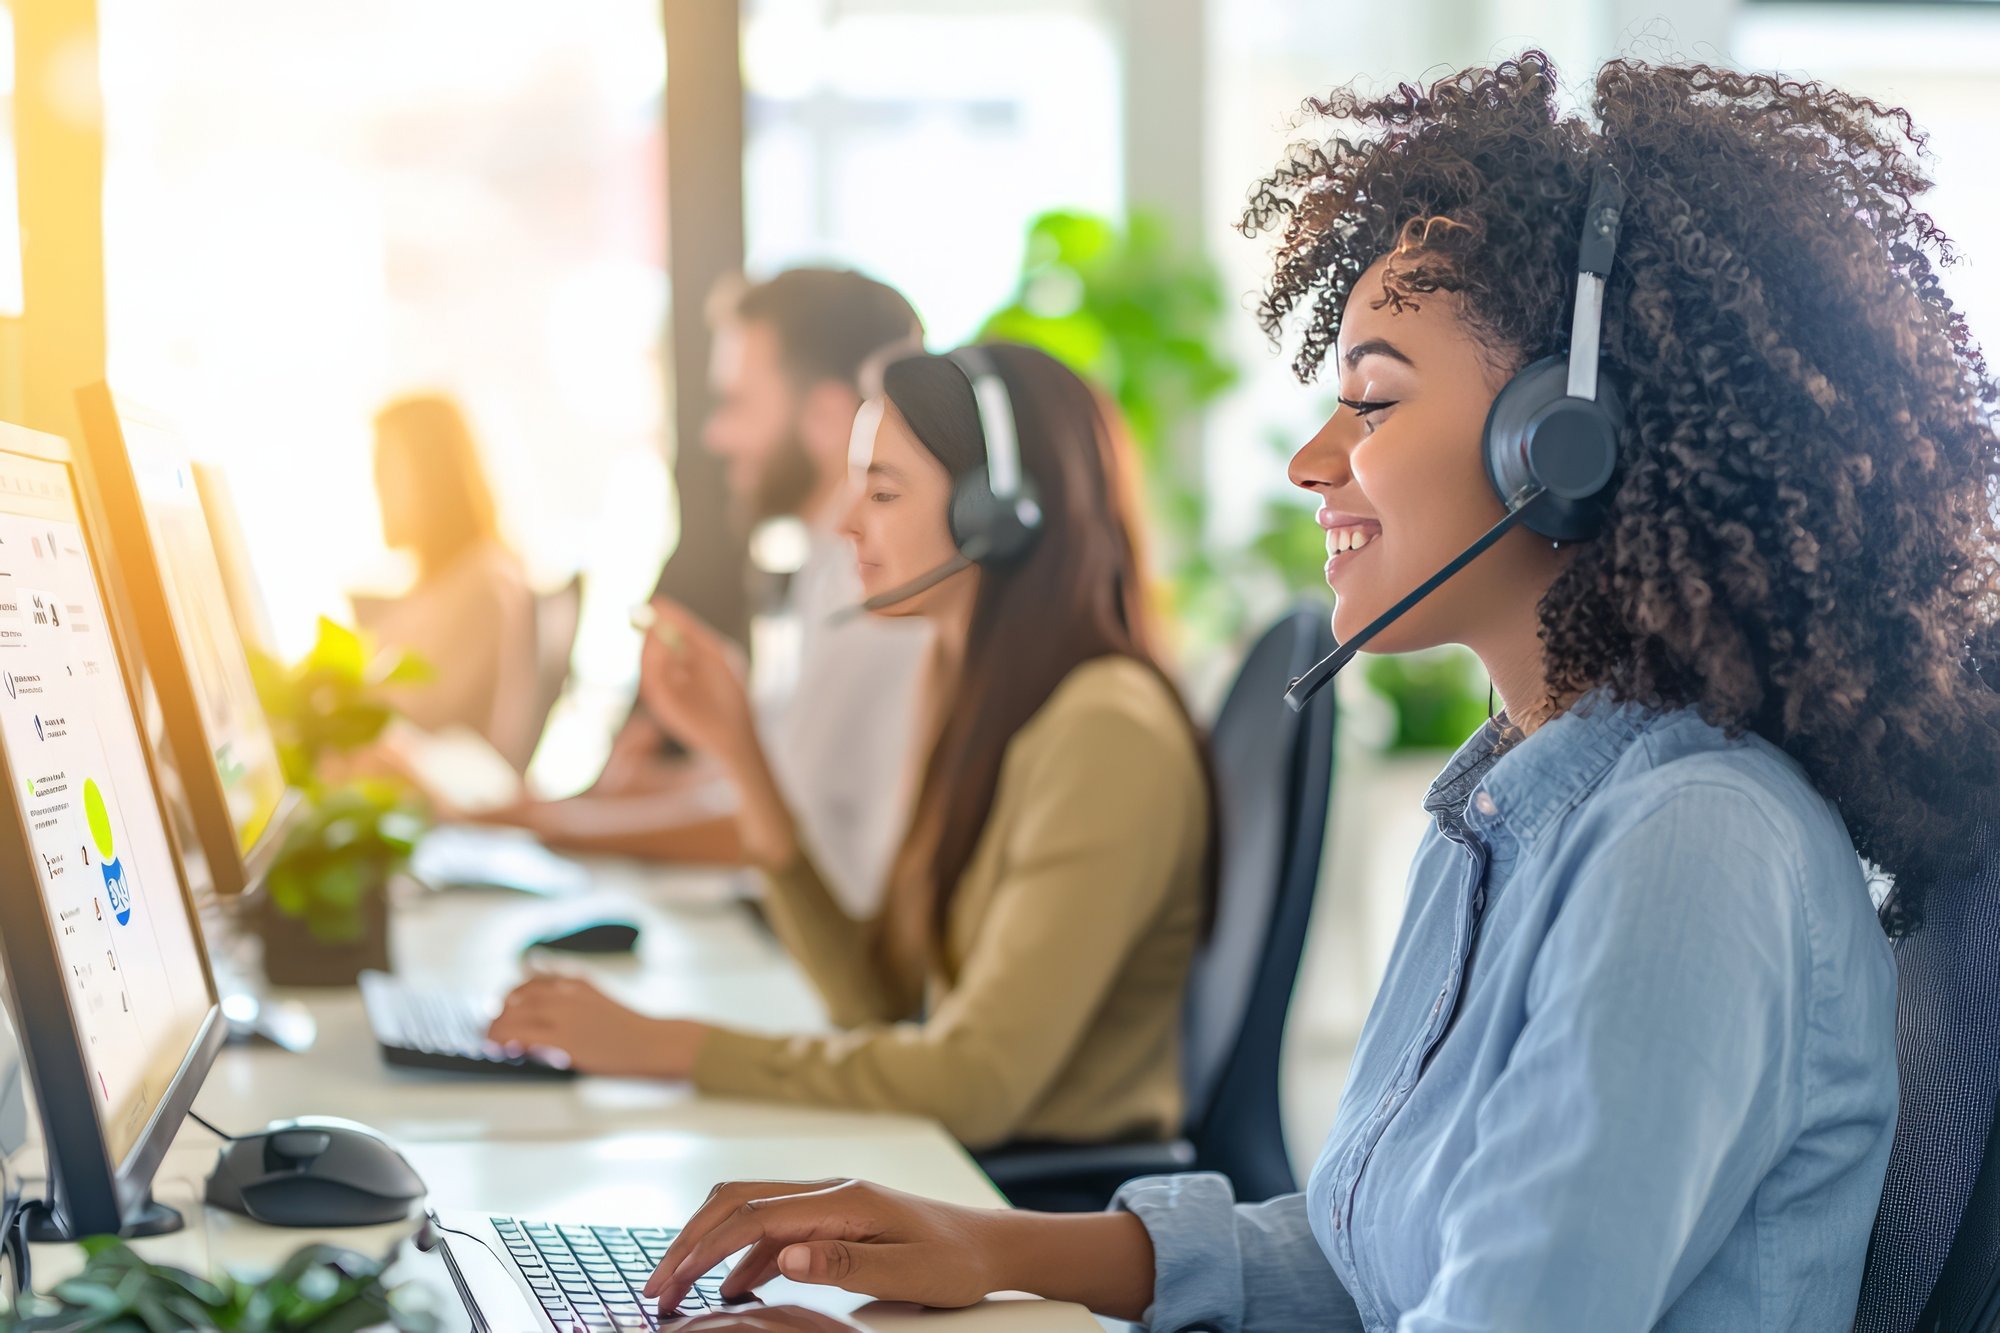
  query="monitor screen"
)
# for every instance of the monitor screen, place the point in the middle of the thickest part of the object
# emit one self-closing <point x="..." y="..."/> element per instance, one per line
<point x="135" y="983"/>
<point x="246" y="758"/>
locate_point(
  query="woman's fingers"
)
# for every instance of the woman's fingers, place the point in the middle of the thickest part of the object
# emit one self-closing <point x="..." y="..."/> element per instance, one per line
<point x="722" y="1201"/>
<point x="753" y="1270"/>
<point x="785" y="1219"/>
<point x="894" y="1272"/>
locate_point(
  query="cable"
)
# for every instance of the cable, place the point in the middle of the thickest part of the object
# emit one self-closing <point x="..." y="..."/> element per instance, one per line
<point x="17" y="1241"/>
<point x="426" y="1242"/>
<point x="196" y="1116"/>
<point x="15" y="1214"/>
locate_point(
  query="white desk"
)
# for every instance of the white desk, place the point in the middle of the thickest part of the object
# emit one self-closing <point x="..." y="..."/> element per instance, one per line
<point x="698" y="957"/>
<point x="617" y="1151"/>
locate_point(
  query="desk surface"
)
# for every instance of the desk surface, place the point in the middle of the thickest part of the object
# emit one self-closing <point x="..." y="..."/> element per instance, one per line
<point x="701" y="954"/>
<point x="617" y="1151"/>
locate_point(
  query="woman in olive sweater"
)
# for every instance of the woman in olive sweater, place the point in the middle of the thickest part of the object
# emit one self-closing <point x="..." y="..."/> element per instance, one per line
<point x="1024" y="978"/>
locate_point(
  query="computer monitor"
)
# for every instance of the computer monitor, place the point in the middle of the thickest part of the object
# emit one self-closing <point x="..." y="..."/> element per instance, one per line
<point x="232" y="553"/>
<point x="110" y="990"/>
<point x="138" y="479"/>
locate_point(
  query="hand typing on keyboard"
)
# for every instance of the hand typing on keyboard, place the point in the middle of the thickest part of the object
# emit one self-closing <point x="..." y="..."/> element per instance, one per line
<point x="836" y="1233"/>
<point x="550" y="1011"/>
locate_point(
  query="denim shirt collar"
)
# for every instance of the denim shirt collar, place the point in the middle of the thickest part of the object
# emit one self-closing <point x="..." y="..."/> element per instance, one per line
<point x="1521" y="787"/>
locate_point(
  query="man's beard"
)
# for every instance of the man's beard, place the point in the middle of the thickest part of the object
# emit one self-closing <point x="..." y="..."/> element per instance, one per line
<point x="785" y="483"/>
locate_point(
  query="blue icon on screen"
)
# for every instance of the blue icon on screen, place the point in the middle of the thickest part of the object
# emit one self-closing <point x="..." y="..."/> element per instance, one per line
<point x="116" y="889"/>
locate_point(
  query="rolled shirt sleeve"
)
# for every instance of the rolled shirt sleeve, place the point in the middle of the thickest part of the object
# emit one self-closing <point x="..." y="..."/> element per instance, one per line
<point x="1234" y="1268"/>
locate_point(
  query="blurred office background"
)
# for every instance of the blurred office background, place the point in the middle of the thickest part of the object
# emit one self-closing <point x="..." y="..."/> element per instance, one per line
<point x="308" y="207"/>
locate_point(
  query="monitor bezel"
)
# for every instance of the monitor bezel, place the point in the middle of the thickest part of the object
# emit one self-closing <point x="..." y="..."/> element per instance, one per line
<point x="93" y="1194"/>
<point x="232" y="554"/>
<point x="112" y="501"/>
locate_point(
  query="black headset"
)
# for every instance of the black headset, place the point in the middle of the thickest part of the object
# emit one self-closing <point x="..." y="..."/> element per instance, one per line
<point x="994" y="515"/>
<point x="1551" y="441"/>
<point x="1552" y="434"/>
<point x="994" y="511"/>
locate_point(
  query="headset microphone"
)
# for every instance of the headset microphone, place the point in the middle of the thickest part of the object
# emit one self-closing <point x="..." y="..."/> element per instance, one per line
<point x="1551" y="438"/>
<point x="1324" y="670"/>
<point x="903" y="592"/>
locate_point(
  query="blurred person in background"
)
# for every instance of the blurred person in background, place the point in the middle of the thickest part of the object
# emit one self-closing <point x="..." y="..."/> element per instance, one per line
<point x="785" y="371"/>
<point x="469" y="614"/>
<point x="1024" y="977"/>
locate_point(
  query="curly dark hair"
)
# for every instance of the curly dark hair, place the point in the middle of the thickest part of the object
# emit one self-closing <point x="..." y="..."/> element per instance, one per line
<point x="1803" y="539"/>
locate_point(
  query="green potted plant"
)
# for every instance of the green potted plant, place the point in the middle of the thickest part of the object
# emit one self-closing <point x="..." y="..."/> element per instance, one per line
<point x="320" y="1289"/>
<point x="324" y="914"/>
<point x="1438" y="698"/>
<point x="1140" y="317"/>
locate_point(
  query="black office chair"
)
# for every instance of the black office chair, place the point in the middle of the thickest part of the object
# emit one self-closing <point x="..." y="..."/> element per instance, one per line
<point x="1934" y="1260"/>
<point x="1273" y="779"/>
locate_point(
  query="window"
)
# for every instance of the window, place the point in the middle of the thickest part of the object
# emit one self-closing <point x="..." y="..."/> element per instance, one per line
<point x="311" y="207"/>
<point x="915" y="141"/>
<point x="1940" y="63"/>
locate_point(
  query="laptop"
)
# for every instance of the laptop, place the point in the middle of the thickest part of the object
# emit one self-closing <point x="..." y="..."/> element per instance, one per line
<point x="516" y="1273"/>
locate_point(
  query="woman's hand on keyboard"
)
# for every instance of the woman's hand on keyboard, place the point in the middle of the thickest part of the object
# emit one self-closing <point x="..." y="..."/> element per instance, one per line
<point x="838" y="1233"/>
<point x="550" y="1011"/>
<point x="899" y="1247"/>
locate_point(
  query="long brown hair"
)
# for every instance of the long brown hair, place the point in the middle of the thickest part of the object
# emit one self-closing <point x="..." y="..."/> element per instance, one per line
<point x="430" y="433"/>
<point x="1078" y="594"/>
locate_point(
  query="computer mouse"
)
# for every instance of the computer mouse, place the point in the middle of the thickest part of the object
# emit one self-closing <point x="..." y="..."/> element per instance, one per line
<point x="598" y="937"/>
<point x="315" y="1171"/>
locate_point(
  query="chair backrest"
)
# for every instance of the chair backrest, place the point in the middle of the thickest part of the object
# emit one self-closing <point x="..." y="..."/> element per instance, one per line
<point x="557" y="616"/>
<point x="1948" y="1057"/>
<point x="1273" y="780"/>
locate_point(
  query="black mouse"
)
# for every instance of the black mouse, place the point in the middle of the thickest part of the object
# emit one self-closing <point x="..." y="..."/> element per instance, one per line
<point x="315" y="1171"/>
<point x="598" y="937"/>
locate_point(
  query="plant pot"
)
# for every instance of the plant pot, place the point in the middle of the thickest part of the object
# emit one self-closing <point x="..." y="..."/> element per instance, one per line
<point x="295" y="956"/>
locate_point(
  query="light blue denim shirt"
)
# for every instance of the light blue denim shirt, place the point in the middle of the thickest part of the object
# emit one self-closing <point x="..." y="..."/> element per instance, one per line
<point x="1632" y="1066"/>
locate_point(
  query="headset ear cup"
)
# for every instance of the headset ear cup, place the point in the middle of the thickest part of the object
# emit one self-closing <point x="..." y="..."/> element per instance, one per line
<point x="987" y="531"/>
<point x="1537" y="435"/>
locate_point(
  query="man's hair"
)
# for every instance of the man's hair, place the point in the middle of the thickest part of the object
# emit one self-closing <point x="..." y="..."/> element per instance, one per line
<point x="829" y="322"/>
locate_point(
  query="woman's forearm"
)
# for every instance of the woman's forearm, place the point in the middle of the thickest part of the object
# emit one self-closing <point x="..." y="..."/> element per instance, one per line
<point x="707" y="841"/>
<point x="1102" y="1261"/>
<point x="764" y="823"/>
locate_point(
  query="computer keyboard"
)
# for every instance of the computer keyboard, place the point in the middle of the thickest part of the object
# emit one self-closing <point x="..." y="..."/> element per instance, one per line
<point x="429" y="1028"/>
<point x="590" y="1277"/>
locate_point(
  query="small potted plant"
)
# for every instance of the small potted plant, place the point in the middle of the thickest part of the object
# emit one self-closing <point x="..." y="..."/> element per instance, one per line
<point x="324" y="914"/>
<point x="320" y="1289"/>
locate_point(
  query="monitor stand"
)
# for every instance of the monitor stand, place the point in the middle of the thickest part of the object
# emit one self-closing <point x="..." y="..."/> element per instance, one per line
<point x="150" y="1219"/>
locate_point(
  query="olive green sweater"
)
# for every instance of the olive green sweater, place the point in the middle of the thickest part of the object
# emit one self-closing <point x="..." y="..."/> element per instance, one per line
<point x="1054" y="1013"/>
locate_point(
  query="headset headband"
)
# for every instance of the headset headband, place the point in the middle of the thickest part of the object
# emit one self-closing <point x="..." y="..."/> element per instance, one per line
<point x="1599" y="245"/>
<point x="996" y="423"/>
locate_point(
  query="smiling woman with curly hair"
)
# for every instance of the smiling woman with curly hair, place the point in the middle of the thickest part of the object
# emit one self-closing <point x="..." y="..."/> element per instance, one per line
<point x="1633" y="1062"/>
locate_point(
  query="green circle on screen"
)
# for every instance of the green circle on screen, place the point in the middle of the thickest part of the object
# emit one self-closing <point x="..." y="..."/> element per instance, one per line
<point x="99" y="819"/>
